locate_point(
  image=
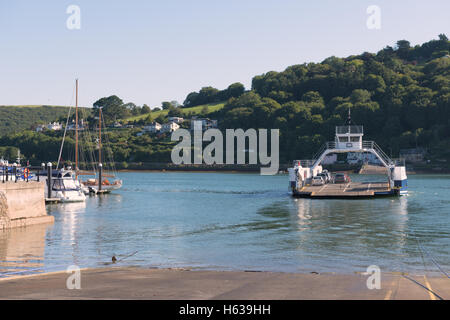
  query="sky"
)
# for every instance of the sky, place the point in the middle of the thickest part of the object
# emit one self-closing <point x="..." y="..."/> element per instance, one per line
<point x="147" y="52"/>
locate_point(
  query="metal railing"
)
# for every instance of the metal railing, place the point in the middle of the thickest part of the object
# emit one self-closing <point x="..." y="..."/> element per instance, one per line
<point x="349" y="129"/>
<point x="399" y="162"/>
<point x="374" y="146"/>
<point x="371" y="145"/>
<point x="331" y="145"/>
<point x="325" y="146"/>
<point x="14" y="173"/>
<point x="382" y="154"/>
<point x="304" y="163"/>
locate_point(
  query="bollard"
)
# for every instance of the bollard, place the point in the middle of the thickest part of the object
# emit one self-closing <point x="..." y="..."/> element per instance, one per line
<point x="43" y="167"/>
<point x="49" y="180"/>
<point x="100" y="167"/>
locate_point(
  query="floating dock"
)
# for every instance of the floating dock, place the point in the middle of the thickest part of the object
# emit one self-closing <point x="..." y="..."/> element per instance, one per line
<point x="345" y="190"/>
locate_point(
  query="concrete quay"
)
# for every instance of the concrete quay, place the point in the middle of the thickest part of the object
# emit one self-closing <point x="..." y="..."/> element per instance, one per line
<point x="22" y="204"/>
<point x="176" y="284"/>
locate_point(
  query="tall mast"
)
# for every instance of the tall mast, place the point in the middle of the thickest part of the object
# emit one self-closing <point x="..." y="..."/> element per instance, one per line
<point x="100" y="136"/>
<point x="76" y="128"/>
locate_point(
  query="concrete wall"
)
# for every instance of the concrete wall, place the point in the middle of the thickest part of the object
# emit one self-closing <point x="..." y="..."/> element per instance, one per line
<point x="22" y="203"/>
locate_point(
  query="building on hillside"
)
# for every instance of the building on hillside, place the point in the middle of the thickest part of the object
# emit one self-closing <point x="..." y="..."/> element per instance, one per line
<point x="54" y="126"/>
<point x="153" y="127"/>
<point x="169" y="127"/>
<point x="177" y="120"/>
<point x="413" y="155"/>
<point x="80" y="125"/>
<point x="202" y="124"/>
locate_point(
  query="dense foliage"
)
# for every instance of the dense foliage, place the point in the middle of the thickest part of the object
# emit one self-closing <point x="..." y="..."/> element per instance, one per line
<point x="401" y="95"/>
<point x="211" y="95"/>
<point x="17" y="118"/>
<point x="119" y="146"/>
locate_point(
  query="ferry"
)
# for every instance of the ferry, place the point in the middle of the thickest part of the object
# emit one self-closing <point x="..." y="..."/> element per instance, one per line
<point x="348" y="138"/>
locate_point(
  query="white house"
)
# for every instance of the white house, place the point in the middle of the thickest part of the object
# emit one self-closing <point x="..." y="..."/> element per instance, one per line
<point x="169" y="127"/>
<point x="153" y="127"/>
<point x="55" y="126"/>
<point x="177" y="120"/>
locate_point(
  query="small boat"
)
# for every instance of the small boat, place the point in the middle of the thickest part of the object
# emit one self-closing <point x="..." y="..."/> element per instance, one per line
<point x="64" y="186"/>
<point x="107" y="186"/>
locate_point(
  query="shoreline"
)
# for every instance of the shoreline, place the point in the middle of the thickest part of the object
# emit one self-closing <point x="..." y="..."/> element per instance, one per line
<point x="431" y="172"/>
<point x="183" y="284"/>
<point x="110" y="265"/>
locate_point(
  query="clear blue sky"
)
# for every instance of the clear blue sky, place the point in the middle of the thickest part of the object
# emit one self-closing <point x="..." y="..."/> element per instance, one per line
<point x="153" y="51"/>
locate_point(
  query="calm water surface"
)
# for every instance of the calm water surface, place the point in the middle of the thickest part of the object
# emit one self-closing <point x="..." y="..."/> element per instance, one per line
<point x="225" y="221"/>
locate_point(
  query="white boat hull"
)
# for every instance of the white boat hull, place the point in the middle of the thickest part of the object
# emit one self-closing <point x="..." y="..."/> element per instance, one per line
<point x="69" y="196"/>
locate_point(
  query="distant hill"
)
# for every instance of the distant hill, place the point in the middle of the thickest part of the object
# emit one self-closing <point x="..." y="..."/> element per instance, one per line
<point x="184" y="112"/>
<point x="14" y="119"/>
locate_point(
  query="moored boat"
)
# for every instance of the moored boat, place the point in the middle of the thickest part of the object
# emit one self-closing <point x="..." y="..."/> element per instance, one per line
<point x="101" y="183"/>
<point x="64" y="187"/>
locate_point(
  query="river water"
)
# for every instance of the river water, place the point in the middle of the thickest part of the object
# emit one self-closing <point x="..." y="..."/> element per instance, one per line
<point x="231" y="221"/>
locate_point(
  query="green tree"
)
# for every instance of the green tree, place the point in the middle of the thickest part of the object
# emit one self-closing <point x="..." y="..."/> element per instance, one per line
<point x="145" y="109"/>
<point x="166" y="105"/>
<point x="174" y="112"/>
<point x="234" y="90"/>
<point x="113" y="108"/>
<point x="403" y="47"/>
<point x="149" y="119"/>
<point x="443" y="37"/>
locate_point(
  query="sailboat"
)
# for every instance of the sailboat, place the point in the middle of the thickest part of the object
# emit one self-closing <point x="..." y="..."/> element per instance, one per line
<point x="65" y="186"/>
<point x="101" y="183"/>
